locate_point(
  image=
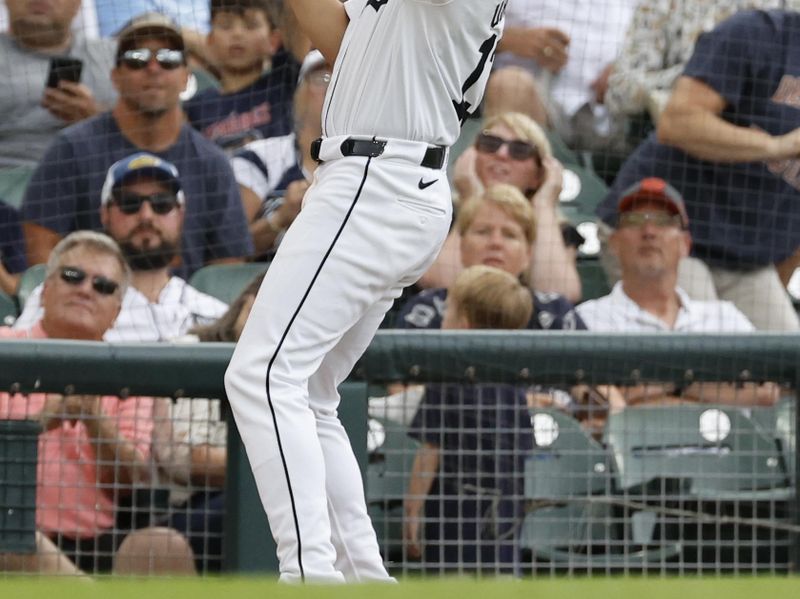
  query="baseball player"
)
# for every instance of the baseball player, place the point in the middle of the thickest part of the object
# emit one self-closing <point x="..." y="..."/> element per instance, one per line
<point x="406" y="75"/>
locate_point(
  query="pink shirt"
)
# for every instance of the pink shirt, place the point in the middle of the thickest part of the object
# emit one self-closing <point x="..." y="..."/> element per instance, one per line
<point x="70" y="498"/>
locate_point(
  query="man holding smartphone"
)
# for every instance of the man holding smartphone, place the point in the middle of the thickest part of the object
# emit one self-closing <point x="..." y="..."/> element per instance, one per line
<point x="38" y="49"/>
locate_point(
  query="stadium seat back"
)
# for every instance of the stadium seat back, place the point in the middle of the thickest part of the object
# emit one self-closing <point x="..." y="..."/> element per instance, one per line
<point x="8" y="309"/>
<point x="226" y="281"/>
<point x="716" y="451"/>
<point x="31" y="278"/>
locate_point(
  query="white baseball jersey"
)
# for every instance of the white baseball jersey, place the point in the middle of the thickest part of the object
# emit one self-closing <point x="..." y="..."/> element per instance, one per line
<point x="441" y="55"/>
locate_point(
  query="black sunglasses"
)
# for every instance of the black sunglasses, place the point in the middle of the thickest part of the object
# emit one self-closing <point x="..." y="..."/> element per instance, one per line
<point x="131" y="203"/>
<point x="518" y="150"/>
<point x="138" y="58"/>
<point x="73" y="275"/>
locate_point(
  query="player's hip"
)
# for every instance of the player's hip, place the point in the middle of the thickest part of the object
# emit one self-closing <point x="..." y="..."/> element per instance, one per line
<point x="396" y="175"/>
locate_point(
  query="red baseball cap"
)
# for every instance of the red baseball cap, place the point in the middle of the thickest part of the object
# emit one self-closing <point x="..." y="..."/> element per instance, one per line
<point x="653" y="189"/>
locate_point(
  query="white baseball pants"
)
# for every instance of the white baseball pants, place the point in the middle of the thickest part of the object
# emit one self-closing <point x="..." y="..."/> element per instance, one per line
<point x="368" y="228"/>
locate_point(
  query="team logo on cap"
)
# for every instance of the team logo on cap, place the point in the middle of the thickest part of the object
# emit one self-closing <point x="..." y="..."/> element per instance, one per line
<point x="144" y="162"/>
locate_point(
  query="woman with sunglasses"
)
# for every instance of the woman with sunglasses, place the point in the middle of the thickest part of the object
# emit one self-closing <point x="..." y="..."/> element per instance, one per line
<point x="513" y="149"/>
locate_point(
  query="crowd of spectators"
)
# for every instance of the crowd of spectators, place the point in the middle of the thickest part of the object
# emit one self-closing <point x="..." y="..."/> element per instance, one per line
<point x="698" y="229"/>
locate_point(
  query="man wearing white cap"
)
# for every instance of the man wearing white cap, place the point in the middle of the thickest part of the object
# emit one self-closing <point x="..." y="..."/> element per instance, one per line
<point x="143" y="207"/>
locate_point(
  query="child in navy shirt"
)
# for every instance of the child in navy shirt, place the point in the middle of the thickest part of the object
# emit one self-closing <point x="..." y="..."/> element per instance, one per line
<point x="465" y="497"/>
<point x="257" y="75"/>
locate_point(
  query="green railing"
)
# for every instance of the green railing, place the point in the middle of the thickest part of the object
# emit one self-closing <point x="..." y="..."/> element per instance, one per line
<point x="544" y="358"/>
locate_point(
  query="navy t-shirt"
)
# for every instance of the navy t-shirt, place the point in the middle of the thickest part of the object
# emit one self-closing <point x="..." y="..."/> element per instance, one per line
<point x="550" y="311"/>
<point x="264" y="107"/>
<point x="742" y="215"/>
<point x="484" y="434"/>
<point x="64" y="192"/>
<point x="12" y="244"/>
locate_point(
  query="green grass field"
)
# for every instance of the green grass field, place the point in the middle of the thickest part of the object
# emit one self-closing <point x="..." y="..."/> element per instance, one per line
<point x="252" y="588"/>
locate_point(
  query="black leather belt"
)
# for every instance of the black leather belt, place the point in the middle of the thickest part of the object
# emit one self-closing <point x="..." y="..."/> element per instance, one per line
<point x="372" y="148"/>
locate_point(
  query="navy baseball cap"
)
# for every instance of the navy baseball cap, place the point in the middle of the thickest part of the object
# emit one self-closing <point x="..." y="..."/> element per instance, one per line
<point x="141" y="164"/>
<point x="653" y="189"/>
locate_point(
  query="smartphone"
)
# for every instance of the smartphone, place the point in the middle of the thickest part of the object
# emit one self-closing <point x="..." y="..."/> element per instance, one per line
<point x="64" y="68"/>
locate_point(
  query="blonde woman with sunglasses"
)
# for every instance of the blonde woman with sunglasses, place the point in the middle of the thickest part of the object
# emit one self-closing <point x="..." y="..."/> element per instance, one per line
<point x="512" y="149"/>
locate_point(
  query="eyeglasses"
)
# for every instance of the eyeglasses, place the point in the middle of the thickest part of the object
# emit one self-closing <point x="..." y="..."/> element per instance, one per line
<point x="72" y="275"/>
<point x="131" y="203"/>
<point x="658" y="219"/>
<point x="138" y="58"/>
<point x="517" y="149"/>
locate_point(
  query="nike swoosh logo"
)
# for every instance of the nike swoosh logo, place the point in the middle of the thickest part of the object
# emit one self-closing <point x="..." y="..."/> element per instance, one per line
<point x="426" y="184"/>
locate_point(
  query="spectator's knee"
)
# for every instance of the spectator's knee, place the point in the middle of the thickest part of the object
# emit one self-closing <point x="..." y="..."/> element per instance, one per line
<point x="155" y="551"/>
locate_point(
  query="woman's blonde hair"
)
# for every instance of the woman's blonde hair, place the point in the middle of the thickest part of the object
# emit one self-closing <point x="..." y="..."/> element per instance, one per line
<point x="525" y="128"/>
<point x="490" y="298"/>
<point x="506" y="197"/>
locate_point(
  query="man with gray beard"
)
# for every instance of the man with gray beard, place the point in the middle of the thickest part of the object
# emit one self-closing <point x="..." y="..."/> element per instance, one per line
<point x="65" y="191"/>
<point x="142" y="208"/>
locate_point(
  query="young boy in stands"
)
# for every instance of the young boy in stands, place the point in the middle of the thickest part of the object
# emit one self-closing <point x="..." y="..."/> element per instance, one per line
<point x="258" y="74"/>
<point x="464" y="500"/>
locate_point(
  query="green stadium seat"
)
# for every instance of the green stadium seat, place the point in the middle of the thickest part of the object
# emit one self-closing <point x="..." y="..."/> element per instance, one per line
<point x="30" y="279"/>
<point x="13" y="182"/>
<point x="582" y="193"/>
<point x="714" y="452"/>
<point x="785" y="423"/>
<point x="390" y="460"/>
<point x="8" y="309"/>
<point x="18" y="459"/>
<point x="560" y="150"/>
<point x="594" y="283"/>
<point x="569" y="488"/>
<point x="205" y="80"/>
<point x="226" y="281"/>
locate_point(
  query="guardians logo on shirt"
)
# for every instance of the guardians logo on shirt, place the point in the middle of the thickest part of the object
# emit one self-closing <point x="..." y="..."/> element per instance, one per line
<point x="240" y="122"/>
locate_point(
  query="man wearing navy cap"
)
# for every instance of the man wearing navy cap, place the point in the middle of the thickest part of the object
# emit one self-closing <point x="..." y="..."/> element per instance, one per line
<point x="142" y="208"/>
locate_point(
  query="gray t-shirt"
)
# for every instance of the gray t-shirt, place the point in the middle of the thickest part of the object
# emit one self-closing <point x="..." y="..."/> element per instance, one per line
<point x="26" y="128"/>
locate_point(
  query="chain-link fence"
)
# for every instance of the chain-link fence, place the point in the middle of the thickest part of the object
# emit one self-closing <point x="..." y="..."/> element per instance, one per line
<point x="545" y="472"/>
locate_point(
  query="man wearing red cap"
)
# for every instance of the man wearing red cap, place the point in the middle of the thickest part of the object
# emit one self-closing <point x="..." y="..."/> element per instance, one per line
<point x="729" y="141"/>
<point x="650" y="239"/>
